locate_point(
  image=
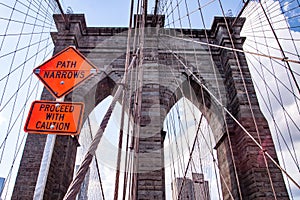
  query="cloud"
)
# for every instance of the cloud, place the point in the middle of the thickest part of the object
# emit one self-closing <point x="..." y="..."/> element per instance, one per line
<point x="279" y="100"/>
<point x="2" y="119"/>
<point x="286" y="6"/>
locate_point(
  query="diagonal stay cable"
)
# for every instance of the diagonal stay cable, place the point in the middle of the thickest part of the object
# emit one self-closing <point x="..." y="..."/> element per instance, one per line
<point x="22" y="48"/>
<point x="237" y="122"/>
<point x="271" y="47"/>
<point x="19" y="88"/>
<point x="80" y="175"/>
<point x="20" y="78"/>
<point x="22" y="12"/>
<point x="278" y="130"/>
<point x="275" y="97"/>
<point x="237" y="50"/>
<point x="96" y="160"/>
<point x="33" y="56"/>
<point x="246" y="46"/>
<point x="190" y="156"/>
<point x="20" y="112"/>
<point x="281" y="48"/>
<point x="28" y="95"/>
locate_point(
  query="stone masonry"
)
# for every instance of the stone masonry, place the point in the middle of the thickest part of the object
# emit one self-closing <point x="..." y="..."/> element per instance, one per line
<point x="165" y="80"/>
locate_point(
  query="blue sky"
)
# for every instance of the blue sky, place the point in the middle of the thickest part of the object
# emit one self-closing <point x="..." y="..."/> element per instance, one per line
<point x="116" y="12"/>
<point x="291" y="9"/>
<point x="101" y="13"/>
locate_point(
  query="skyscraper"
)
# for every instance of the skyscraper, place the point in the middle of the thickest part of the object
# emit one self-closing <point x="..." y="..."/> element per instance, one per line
<point x="187" y="189"/>
<point x="201" y="187"/>
<point x="183" y="188"/>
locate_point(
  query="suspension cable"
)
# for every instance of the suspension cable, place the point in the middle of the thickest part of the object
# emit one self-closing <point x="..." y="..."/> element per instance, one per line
<point x="284" y="59"/>
<point x="97" y="164"/>
<point x="76" y="183"/>
<point x="124" y="100"/>
<point x="281" y="49"/>
<point x="190" y="156"/>
<point x="237" y="122"/>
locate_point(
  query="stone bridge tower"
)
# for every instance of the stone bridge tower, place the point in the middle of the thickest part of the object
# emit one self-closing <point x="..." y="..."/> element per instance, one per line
<point x="164" y="83"/>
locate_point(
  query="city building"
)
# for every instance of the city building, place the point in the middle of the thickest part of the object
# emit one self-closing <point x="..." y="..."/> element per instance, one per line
<point x="187" y="189"/>
<point x="201" y="187"/>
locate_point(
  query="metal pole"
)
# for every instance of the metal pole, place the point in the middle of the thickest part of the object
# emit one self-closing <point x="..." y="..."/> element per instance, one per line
<point x="65" y="17"/>
<point x="45" y="165"/>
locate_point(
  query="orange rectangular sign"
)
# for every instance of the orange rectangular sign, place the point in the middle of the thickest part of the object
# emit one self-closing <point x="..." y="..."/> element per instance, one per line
<point x="52" y="117"/>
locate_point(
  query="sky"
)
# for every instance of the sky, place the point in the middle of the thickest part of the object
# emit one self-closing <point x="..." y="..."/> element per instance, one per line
<point x="271" y="98"/>
<point x="104" y="13"/>
<point x="121" y="19"/>
<point x="115" y="13"/>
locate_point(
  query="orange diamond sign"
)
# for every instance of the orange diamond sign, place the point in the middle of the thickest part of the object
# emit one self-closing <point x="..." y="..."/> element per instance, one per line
<point x="65" y="71"/>
<point x="52" y="117"/>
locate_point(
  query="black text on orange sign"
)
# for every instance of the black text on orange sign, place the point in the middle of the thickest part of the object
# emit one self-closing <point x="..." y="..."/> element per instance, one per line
<point x="54" y="117"/>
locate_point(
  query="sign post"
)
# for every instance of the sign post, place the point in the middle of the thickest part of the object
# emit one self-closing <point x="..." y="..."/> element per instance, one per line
<point x="61" y="74"/>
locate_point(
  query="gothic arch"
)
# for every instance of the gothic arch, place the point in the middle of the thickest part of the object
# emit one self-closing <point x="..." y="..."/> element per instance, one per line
<point x="160" y="93"/>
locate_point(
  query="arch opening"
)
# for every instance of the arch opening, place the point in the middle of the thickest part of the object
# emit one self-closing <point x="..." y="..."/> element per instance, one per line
<point x="190" y="157"/>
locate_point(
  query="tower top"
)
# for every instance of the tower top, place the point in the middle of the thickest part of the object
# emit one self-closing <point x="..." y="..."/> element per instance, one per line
<point x="151" y="20"/>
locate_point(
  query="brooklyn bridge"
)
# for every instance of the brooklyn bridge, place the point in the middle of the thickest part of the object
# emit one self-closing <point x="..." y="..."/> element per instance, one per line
<point x="161" y="99"/>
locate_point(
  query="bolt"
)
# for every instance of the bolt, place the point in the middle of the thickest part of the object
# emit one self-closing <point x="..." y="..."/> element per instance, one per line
<point x="62" y="82"/>
<point x="52" y="126"/>
<point x="37" y="71"/>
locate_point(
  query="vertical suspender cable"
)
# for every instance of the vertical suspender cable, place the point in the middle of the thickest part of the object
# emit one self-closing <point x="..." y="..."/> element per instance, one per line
<point x="136" y="41"/>
<point x="138" y="99"/>
<point x="84" y="166"/>
<point x="248" y="99"/>
<point x="281" y="49"/>
<point x="123" y="104"/>
<point x="131" y="87"/>
<point x="220" y="96"/>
